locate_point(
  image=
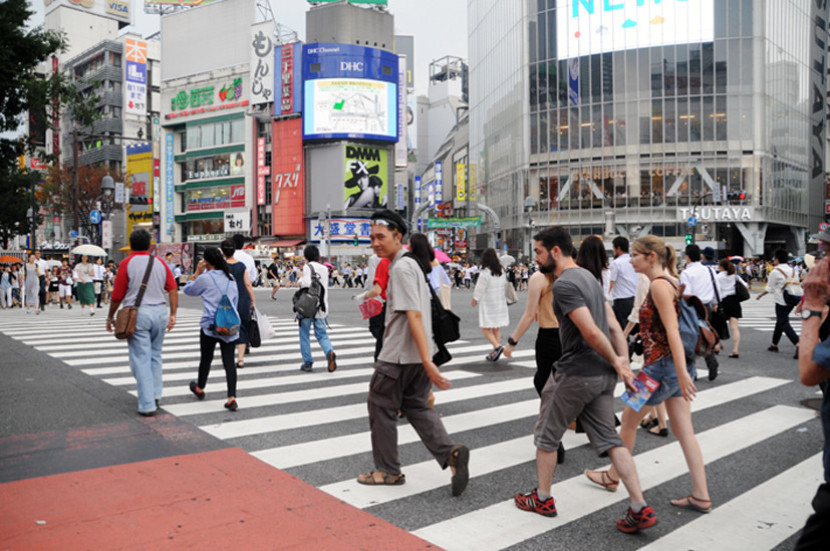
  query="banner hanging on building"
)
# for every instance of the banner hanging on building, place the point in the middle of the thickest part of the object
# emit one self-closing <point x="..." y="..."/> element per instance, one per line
<point x="135" y="78"/>
<point x="460" y="182"/>
<point x="262" y="63"/>
<point x="287" y="164"/>
<point x="366" y="173"/>
<point x="139" y="182"/>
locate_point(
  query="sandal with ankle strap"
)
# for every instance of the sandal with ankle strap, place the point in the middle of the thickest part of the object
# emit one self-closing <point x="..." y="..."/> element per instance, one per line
<point x="687" y="503"/>
<point x="605" y="480"/>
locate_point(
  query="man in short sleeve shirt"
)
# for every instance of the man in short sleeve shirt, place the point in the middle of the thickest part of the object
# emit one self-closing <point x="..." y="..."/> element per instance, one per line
<point x="594" y="353"/>
<point x="814" y="369"/>
<point x="405" y="372"/>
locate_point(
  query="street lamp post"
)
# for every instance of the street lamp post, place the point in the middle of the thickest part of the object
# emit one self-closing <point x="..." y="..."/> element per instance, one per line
<point x="530" y="204"/>
<point x="107" y="191"/>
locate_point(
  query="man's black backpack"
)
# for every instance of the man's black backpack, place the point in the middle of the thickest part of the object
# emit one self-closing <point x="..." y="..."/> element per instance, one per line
<point x="309" y="300"/>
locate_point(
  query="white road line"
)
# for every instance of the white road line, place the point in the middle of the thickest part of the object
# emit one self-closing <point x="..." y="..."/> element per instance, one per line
<point x="760" y="518"/>
<point x="275" y="423"/>
<point x="278" y="398"/>
<point x="503" y="525"/>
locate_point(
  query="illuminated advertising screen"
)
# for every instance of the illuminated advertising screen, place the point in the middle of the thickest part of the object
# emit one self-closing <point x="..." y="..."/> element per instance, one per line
<point x="349" y="92"/>
<point x="585" y="27"/>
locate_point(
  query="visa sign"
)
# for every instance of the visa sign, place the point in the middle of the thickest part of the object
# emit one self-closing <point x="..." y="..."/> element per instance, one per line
<point x="120" y="8"/>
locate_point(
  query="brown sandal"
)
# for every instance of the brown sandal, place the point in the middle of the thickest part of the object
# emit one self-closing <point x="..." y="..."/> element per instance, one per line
<point x="687" y="503"/>
<point x="605" y="480"/>
<point x="369" y="479"/>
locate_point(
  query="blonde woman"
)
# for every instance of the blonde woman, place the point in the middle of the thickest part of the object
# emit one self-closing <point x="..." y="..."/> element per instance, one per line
<point x="664" y="359"/>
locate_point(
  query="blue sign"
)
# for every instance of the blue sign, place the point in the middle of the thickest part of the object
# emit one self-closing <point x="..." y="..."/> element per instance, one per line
<point x="169" y="181"/>
<point x="325" y="60"/>
<point x="573" y="80"/>
<point x="95" y="216"/>
<point x="439" y="182"/>
<point x="692" y="221"/>
<point x="73" y="234"/>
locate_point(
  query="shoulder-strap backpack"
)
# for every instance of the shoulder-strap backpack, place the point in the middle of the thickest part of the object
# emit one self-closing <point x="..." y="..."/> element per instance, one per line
<point x="226" y="320"/>
<point x="697" y="334"/>
<point x="310" y="300"/>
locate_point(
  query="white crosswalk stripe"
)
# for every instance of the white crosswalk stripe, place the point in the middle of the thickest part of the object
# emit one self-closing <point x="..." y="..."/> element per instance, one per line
<point x="316" y="426"/>
<point x="760" y="315"/>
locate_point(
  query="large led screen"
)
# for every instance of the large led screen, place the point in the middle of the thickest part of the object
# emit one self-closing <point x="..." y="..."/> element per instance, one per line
<point x="585" y="27"/>
<point x="350" y="108"/>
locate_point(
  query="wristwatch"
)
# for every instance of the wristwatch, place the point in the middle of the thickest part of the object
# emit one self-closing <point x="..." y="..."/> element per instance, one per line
<point x="807" y="314"/>
<point x="511" y="342"/>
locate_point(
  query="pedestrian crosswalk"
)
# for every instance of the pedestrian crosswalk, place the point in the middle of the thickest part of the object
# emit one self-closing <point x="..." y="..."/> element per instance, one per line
<point x="315" y="426"/>
<point x="760" y="315"/>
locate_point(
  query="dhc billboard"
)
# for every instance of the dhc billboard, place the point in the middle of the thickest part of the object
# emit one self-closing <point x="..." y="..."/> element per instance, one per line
<point x="349" y="92"/>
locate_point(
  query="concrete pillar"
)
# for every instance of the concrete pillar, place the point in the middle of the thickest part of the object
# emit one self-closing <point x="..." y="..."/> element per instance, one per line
<point x="754" y="234"/>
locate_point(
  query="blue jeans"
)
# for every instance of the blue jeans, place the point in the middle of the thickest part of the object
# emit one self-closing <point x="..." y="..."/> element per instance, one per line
<point x="319" y="333"/>
<point x="145" y="354"/>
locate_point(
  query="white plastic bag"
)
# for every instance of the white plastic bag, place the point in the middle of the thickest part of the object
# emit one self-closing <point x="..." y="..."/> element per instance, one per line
<point x="265" y="329"/>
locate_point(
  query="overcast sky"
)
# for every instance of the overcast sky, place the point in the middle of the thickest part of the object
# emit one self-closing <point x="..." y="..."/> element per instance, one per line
<point x="439" y="26"/>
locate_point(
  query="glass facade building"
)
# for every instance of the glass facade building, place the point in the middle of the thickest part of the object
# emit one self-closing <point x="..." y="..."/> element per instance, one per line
<point x="634" y="116"/>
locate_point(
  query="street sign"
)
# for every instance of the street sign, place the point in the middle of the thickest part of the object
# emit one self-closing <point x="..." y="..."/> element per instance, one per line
<point x="95" y="216"/>
<point x="106" y="234"/>
<point x="73" y="234"/>
<point x="692" y="221"/>
<point x="823" y="226"/>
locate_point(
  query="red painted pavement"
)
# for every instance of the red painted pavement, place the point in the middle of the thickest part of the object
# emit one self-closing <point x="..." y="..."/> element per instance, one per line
<point x="210" y="500"/>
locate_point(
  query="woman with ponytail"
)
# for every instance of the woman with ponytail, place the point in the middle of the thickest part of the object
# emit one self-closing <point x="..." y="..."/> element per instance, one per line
<point x="664" y="359"/>
<point x="211" y="280"/>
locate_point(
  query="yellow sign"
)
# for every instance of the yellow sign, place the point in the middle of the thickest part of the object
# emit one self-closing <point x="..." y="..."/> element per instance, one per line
<point x="460" y="182"/>
<point x="139" y="178"/>
<point x="473" y="182"/>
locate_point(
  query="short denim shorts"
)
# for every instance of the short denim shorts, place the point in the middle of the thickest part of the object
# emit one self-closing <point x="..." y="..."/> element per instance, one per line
<point x="663" y="370"/>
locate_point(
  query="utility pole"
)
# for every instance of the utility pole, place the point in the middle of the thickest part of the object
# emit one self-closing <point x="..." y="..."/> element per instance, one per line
<point x="75" y="180"/>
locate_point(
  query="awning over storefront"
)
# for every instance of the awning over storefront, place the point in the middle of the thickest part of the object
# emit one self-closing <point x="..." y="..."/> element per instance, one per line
<point x="281" y="243"/>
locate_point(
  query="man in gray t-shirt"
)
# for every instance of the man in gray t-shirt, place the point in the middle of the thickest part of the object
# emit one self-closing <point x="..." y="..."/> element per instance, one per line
<point x="404" y="372"/>
<point x="594" y="353"/>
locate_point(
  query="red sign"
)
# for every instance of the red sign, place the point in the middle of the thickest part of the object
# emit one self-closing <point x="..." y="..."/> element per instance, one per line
<point x="37" y="164"/>
<point x="288" y="178"/>
<point x="827" y="206"/>
<point x="238" y="196"/>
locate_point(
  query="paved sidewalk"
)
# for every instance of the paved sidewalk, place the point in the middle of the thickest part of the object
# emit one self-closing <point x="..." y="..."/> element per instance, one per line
<point x="79" y="469"/>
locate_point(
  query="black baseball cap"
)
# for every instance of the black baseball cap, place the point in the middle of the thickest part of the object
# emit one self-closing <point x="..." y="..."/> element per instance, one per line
<point x="391" y="219"/>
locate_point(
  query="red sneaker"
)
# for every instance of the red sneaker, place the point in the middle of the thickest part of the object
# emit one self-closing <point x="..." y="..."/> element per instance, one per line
<point x="634" y="522"/>
<point x="531" y="502"/>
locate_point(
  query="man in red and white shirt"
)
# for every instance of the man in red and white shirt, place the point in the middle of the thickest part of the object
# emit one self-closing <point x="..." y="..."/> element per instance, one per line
<point x="145" y="344"/>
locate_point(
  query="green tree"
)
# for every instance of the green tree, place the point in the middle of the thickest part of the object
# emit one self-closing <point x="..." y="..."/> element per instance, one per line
<point x="22" y="89"/>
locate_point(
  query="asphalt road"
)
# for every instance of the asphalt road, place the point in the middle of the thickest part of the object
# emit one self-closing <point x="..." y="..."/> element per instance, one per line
<point x="754" y="430"/>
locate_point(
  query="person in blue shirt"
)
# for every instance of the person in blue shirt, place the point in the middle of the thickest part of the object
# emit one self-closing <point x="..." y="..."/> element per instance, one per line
<point x="211" y="280"/>
<point x="814" y="369"/>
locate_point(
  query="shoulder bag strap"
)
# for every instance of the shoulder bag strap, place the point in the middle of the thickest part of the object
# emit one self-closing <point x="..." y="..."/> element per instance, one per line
<point x="144" y="281"/>
<point x="786" y="279"/>
<point x="714" y="285"/>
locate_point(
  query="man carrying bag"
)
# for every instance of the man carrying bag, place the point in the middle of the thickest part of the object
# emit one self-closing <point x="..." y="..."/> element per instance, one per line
<point x="135" y="279"/>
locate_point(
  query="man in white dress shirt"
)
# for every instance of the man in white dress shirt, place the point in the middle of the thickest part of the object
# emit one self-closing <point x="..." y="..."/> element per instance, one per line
<point x="699" y="282"/>
<point x="623" y="281"/>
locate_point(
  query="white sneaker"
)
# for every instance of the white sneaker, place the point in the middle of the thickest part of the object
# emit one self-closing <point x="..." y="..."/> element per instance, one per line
<point x="91" y="311"/>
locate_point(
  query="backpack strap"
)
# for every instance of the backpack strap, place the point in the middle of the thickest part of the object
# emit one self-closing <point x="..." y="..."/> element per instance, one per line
<point x="714" y="285"/>
<point x="144" y="281"/>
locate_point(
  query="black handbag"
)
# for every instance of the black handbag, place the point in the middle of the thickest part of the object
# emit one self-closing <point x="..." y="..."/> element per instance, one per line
<point x="254" y="338"/>
<point x="741" y="291"/>
<point x="717" y="318"/>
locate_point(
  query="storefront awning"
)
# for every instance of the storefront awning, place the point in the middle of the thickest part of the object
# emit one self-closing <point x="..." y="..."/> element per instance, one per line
<point x="281" y="243"/>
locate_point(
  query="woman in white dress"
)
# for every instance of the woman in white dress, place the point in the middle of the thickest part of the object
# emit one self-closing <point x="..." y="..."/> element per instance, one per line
<point x="489" y="296"/>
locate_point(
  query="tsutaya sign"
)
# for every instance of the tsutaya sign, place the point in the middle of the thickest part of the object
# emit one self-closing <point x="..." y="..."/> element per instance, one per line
<point x="718" y="214"/>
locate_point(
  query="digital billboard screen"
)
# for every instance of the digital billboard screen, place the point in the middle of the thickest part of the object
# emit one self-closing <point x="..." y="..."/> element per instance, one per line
<point x="350" y="107"/>
<point x="349" y="92"/>
<point x="585" y="27"/>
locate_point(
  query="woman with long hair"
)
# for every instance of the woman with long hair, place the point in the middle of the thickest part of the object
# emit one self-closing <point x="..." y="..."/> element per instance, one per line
<point x="247" y="301"/>
<point x="593" y="257"/>
<point x="489" y="293"/>
<point x="728" y="279"/>
<point x="664" y="359"/>
<point x="211" y="280"/>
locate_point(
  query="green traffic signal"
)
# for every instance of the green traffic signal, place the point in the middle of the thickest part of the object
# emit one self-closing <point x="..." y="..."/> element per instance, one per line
<point x="689" y="239"/>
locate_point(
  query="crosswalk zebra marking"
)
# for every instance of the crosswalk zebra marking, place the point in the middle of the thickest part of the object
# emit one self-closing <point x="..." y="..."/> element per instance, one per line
<point x="502" y="525"/>
<point x="748" y="521"/>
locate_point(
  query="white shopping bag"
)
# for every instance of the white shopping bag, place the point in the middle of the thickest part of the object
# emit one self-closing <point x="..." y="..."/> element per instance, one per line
<point x="265" y="329"/>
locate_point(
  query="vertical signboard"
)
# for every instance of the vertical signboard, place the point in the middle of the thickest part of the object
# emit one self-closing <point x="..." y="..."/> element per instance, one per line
<point x="288" y="80"/>
<point x="573" y="80"/>
<point x="262" y="64"/>
<point x="460" y="182"/>
<point x="287" y="166"/>
<point x="400" y="146"/>
<point x="135" y="79"/>
<point x="431" y="195"/>
<point x="439" y="181"/>
<point x="366" y="172"/>
<point x="169" y="181"/>
<point x="416" y="198"/>
<point x="139" y="170"/>
<point x="473" y="178"/>
<point x="262" y="171"/>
